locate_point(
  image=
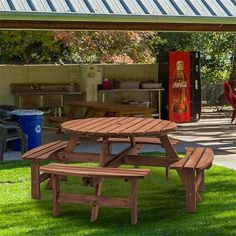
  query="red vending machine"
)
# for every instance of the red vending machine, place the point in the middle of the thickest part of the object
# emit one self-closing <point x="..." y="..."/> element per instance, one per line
<point x="179" y="73"/>
<point x="179" y="86"/>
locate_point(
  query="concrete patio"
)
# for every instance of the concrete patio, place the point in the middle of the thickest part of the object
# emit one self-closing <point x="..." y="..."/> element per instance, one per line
<point x="218" y="134"/>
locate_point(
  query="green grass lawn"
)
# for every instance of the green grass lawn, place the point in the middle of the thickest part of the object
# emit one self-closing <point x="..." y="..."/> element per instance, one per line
<point x="161" y="206"/>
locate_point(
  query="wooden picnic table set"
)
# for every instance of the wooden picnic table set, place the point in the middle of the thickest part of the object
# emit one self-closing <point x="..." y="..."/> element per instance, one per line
<point x="134" y="131"/>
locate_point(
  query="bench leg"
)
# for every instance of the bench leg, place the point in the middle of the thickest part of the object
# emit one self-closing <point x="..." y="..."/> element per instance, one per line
<point x="105" y="150"/>
<point x="49" y="184"/>
<point x="56" y="190"/>
<point x="35" y="182"/>
<point x="189" y="178"/>
<point x="167" y="173"/>
<point x="134" y="214"/>
<point x="95" y="209"/>
<point x="201" y="175"/>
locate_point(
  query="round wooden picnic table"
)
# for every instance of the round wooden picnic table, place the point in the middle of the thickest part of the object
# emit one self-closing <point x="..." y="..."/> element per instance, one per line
<point x="107" y="127"/>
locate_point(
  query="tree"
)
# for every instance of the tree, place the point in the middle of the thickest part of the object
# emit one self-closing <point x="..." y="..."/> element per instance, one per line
<point x="216" y="50"/>
<point x="106" y="46"/>
<point x="29" y="47"/>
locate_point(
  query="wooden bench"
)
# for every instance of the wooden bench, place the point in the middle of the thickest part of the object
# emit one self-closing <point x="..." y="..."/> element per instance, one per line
<point x="191" y="171"/>
<point x="57" y="169"/>
<point x="41" y="153"/>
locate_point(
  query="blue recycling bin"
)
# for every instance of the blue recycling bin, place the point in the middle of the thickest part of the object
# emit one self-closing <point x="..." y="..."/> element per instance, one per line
<point x="31" y="123"/>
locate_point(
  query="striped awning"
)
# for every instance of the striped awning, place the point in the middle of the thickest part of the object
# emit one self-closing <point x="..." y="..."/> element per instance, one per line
<point x="120" y="14"/>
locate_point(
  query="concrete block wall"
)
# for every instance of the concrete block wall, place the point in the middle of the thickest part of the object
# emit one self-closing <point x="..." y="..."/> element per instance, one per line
<point x="33" y="74"/>
<point x="70" y="73"/>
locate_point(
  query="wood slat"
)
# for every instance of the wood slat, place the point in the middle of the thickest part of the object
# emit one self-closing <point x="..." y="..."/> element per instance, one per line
<point x="44" y="151"/>
<point x="97" y="172"/>
<point x="117" y="122"/>
<point x="120" y="125"/>
<point x="94" y="200"/>
<point x="102" y="125"/>
<point x="98" y="123"/>
<point x="206" y="159"/>
<point x="109" y="125"/>
<point x="149" y="161"/>
<point x="170" y="127"/>
<point x="35" y="150"/>
<point x="194" y="158"/>
<point x="160" y="127"/>
<point x="128" y="126"/>
<point x="143" y="130"/>
<point x="139" y="140"/>
<point x="98" y="169"/>
<point x="181" y="162"/>
<point x="135" y="128"/>
<point x="80" y="124"/>
<point x="78" y="157"/>
<point x="69" y="124"/>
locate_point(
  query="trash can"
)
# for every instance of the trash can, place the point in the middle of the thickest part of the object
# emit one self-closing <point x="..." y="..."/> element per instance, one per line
<point x="31" y="123"/>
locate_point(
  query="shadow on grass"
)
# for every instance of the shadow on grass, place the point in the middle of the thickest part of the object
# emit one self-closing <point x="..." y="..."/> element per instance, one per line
<point x="13" y="164"/>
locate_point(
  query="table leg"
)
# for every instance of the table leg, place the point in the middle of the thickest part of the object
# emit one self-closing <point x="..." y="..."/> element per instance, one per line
<point x="134" y="217"/>
<point x="95" y="208"/>
<point x="135" y="151"/>
<point x="169" y="148"/>
<point x="104" y="151"/>
<point x="72" y="142"/>
<point x="56" y="190"/>
<point x="68" y="149"/>
<point x="98" y="188"/>
<point x="170" y="151"/>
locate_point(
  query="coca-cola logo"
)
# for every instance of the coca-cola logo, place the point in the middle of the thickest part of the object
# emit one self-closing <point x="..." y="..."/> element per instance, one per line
<point x="182" y="84"/>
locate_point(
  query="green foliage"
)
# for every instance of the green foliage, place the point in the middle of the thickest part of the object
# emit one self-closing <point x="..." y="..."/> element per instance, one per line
<point x="216" y="51"/>
<point x="106" y="46"/>
<point x="29" y="47"/>
<point x="161" y="206"/>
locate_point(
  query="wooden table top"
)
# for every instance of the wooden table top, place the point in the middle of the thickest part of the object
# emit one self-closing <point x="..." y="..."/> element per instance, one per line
<point x="119" y="126"/>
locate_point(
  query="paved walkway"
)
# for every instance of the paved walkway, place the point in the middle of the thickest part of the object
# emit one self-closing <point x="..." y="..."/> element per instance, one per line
<point x="218" y="134"/>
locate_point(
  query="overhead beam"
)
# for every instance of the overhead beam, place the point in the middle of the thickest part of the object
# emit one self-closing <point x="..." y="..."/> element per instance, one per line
<point x="136" y="26"/>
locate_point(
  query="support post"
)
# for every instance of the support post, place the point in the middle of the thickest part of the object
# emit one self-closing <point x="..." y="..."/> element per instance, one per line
<point x="134" y="199"/>
<point x="56" y="190"/>
<point x="35" y="182"/>
<point x="190" y="181"/>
